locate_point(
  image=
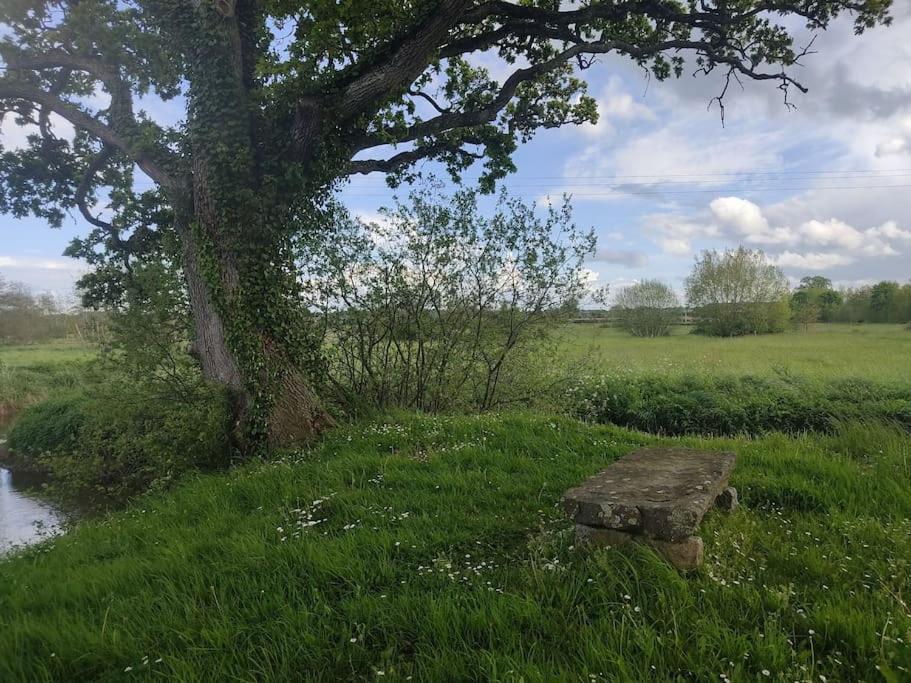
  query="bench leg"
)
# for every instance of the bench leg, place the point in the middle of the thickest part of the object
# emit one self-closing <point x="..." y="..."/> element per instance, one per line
<point x="685" y="554"/>
<point x="727" y="499"/>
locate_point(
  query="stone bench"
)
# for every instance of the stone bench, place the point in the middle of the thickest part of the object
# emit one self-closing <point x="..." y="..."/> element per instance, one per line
<point x="654" y="495"/>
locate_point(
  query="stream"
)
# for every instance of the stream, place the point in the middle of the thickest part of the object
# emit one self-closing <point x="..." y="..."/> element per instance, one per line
<point x="24" y="517"/>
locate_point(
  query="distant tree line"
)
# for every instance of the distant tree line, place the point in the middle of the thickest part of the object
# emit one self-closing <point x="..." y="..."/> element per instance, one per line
<point x="739" y="291"/>
<point x="27" y="317"/>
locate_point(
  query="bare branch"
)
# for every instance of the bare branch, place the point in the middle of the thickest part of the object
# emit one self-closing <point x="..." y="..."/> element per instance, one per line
<point x="428" y="98"/>
<point x="95" y="165"/>
<point x="365" y="166"/>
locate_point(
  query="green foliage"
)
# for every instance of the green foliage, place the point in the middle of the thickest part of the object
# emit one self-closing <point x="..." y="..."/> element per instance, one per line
<point x="441" y="305"/>
<point x="27" y="317"/>
<point x="737" y="292"/>
<point x="648" y="308"/>
<point x="52" y="425"/>
<point x="436" y="548"/>
<point x="884" y="302"/>
<point x="816" y="298"/>
<point x="730" y="405"/>
<point x="805" y="308"/>
<point x="110" y="441"/>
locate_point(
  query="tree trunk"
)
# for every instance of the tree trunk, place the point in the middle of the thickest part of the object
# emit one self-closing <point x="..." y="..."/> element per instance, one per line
<point x="251" y="332"/>
<point x="272" y="400"/>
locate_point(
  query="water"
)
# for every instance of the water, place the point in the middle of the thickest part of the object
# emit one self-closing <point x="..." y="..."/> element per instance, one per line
<point x="24" y="517"/>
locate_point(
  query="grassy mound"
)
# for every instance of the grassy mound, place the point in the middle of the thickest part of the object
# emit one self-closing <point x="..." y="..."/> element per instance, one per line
<point x="434" y="548"/>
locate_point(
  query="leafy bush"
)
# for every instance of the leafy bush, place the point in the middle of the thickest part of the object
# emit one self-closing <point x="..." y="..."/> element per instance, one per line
<point x="712" y="405"/>
<point x="52" y="425"/>
<point x="648" y="308"/>
<point x="112" y="441"/>
<point x="440" y="306"/>
<point x="738" y="292"/>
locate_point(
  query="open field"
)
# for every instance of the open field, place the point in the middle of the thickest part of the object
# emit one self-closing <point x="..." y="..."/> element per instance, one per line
<point x="47" y="353"/>
<point x="875" y="352"/>
<point x="435" y="549"/>
<point x="32" y="372"/>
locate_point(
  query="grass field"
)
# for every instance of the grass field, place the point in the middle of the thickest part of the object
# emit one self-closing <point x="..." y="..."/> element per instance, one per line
<point x="434" y="549"/>
<point x="876" y="352"/>
<point x="47" y="353"/>
<point x="32" y="372"/>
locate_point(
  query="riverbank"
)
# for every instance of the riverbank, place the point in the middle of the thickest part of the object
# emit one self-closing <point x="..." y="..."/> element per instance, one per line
<point x="26" y="516"/>
<point x="435" y="548"/>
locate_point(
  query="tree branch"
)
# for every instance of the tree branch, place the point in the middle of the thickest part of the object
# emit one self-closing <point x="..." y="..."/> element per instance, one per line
<point x="80" y="119"/>
<point x="95" y="165"/>
<point x="396" y="70"/>
<point x="487" y="113"/>
<point x="365" y="166"/>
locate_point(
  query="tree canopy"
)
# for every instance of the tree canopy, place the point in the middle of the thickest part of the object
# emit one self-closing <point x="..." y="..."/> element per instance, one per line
<point x="648" y="308"/>
<point x="284" y="100"/>
<point x="737" y="292"/>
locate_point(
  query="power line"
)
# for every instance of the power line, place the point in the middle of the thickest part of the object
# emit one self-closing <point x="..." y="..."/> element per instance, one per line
<point x="884" y="173"/>
<point x="659" y="192"/>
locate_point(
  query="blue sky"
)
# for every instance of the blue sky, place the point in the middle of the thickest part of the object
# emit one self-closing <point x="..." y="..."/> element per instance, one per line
<point x="824" y="189"/>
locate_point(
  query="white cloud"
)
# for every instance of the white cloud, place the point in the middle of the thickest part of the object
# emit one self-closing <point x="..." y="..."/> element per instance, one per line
<point x="616" y="105"/>
<point x="43" y="274"/>
<point x="629" y="258"/>
<point x="745" y="216"/>
<point x="674" y="232"/>
<point x="892" y="146"/>
<point x="811" y="261"/>
<point x="890" y="230"/>
<point x="38" y="263"/>
<point x="830" y="233"/>
<point x="675" y="246"/>
<point x="748" y="222"/>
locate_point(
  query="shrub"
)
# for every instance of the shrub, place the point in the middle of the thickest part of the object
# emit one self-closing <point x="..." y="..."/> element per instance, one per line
<point x="728" y="405"/>
<point x="441" y="306"/>
<point x="52" y="425"/>
<point x="647" y="308"/>
<point x="115" y="440"/>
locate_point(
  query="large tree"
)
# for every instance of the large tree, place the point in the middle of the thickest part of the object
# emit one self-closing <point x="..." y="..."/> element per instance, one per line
<point x="283" y="100"/>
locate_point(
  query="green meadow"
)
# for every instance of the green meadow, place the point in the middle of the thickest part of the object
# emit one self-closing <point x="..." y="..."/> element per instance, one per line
<point x="45" y="353"/>
<point x="825" y="351"/>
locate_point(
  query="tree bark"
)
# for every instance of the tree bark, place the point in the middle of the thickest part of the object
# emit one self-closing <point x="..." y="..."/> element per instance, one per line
<point x="294" y="414"/>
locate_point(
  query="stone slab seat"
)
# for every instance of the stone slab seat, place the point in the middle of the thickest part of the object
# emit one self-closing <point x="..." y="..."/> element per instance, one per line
<point x="656" y="495"/>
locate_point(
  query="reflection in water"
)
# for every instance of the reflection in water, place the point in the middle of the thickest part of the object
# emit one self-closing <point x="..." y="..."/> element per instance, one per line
<point x="24" y="519"/>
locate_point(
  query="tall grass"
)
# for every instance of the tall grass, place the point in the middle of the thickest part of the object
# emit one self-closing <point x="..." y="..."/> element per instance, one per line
<point x="22" y="386"/>
<point x="435" y="549"/>
<point x="747" y="404"/>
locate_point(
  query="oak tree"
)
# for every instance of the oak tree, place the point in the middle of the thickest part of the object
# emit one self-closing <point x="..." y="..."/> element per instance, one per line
<point x="285" y="99"/>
